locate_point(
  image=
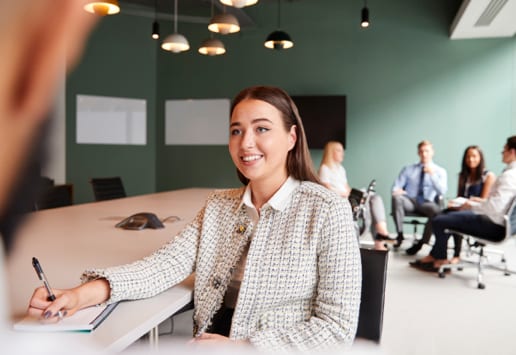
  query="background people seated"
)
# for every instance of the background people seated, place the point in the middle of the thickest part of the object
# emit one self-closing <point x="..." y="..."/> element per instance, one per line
<point x="485" y="218"/>
<point x="333" y="176"/>
<point x="415" y="190"/>
<point x="475" y="183"/>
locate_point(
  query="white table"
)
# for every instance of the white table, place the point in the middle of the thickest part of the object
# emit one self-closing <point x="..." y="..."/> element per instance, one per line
<point x="71" y="239"/>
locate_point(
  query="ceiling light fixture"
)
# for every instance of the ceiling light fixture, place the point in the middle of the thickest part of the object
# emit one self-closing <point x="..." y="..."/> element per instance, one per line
<point x="239" y="3"/>
<point x="279" y="39"/>
<point x="212" y="46"/>
<point x="175" y="42"/>
<point x="155" y="24"/>
<point x="103" y="8"/>
<point x="364" y="23"/>
<point x="224" y="24"/>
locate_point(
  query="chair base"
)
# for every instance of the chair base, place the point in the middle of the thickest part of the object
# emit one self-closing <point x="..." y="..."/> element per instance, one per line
<point x="481" y="264"/>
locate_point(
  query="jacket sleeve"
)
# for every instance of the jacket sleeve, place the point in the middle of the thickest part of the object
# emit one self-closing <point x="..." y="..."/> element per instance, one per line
<point x="337" y="297"/>
<point x="147" y="277"/>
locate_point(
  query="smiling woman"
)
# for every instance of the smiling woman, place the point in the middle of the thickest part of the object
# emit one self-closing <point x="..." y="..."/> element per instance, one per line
<point x="276" y="262"/>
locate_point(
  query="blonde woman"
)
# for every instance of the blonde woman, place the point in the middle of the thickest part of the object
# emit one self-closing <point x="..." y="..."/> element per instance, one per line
<point x="333" y="176"/>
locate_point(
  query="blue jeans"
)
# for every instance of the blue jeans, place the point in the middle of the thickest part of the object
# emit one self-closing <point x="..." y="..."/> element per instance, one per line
<point x="466" y="222"/>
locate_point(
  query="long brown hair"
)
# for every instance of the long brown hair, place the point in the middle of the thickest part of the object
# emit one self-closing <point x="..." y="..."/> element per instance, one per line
<point x="299" y="161"/>
<point x="466" y="170"/>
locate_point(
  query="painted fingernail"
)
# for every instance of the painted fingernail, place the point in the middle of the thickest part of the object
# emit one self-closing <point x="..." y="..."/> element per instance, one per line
<point x="47" y="314"/>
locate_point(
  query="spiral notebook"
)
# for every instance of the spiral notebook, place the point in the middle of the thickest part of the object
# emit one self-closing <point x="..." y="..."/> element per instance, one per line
<point x="84" y="320"/>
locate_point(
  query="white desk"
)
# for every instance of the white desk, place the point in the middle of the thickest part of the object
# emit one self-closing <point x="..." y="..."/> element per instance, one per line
<point x="70" y="239"/>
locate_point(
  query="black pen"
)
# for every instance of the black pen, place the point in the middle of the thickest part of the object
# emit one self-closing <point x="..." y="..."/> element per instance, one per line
<point x="42" y="277"/>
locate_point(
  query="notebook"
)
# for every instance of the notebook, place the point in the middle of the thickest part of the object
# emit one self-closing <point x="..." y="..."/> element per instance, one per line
<point x="84" y="320"/>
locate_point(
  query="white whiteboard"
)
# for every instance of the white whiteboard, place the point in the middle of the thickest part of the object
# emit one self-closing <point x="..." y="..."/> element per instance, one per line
<point x="197" y="122"/>
<point x="111" y="120"/>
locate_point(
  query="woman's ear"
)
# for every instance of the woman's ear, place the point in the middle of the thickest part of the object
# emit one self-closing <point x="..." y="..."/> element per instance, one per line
<point x="292" y="137"/>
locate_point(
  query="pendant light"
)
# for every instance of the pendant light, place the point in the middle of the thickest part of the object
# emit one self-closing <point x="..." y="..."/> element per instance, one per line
<point x="155" y="24"/>
<point x="224" y="24"/>
<point x="239" y="3"/>
<point x="175" y="42"/>
<point x="212" y="46"/>
<point x="103" y="7"/>
<point x="364" y="23"/>
<point x="279" y="39"/>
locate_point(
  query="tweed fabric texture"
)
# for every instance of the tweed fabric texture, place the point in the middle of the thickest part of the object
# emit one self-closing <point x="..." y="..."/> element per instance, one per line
<point x="301" y="286"/>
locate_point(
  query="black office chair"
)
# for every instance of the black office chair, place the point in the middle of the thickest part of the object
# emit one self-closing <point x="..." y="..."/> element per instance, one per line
<point x="416" y="219"/>
<point x="108" y="188"/>
<point x="372" y="298"/>
<point x="374" y="277"/>
<point x="55" y="196"/>
<point x="479" y="246"/>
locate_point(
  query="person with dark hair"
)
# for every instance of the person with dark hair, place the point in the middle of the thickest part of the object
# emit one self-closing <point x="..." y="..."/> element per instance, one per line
<point x="485" y="218"/>
<point x="415" y="190"/>
<point x="276" y="262"/>
<point x="475" y="183"/>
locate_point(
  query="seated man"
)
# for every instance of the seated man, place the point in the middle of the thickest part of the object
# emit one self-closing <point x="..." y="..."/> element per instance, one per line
<point x="485" y="219"/>
<point x="415" y="190"/>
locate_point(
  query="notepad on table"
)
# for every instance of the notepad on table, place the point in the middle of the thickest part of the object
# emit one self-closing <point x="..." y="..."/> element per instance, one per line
<point x="84" y="320"/>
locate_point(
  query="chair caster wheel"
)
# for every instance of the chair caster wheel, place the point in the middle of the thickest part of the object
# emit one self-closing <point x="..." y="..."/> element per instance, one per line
<point x="481" y="286"/>
<point x="460" y="268"/>
<point x="507" y="273"/>
<point x="441" y="275"/>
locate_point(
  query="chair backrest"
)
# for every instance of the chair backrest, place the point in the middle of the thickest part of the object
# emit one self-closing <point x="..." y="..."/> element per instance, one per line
<point x="56" y="196"/>
<point x="374" y="276"/>
<point x="108" y="188"/>
<point x="510" y="220"/>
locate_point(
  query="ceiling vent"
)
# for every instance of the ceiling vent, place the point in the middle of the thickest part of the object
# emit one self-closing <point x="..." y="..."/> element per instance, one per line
<point x="491" y="11"/>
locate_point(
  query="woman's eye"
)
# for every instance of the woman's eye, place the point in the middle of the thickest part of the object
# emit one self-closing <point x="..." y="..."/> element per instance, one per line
<point x="235" y="132"/>
<point x="262" y="129"/>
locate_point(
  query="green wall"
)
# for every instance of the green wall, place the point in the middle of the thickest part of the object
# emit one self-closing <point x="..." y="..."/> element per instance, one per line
<point x="118" y="61"/>
<point x="405" y="81"/>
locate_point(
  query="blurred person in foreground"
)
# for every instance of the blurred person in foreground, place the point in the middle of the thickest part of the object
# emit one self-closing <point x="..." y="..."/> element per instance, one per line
<point x="35" y="41"/>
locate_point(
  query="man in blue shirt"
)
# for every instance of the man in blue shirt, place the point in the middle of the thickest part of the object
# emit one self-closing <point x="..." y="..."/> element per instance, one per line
<point x="417" y="189"/>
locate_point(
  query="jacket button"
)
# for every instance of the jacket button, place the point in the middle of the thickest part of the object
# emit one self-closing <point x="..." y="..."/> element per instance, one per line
<point x="241" y="229"/>
<point x="216" y="282"/>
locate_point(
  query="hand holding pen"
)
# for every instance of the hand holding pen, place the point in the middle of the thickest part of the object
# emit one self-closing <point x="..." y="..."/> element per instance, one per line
<point x="50" y="294"/>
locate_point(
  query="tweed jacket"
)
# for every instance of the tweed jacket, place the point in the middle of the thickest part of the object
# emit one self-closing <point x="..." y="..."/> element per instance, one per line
<point x="302" y="281"/>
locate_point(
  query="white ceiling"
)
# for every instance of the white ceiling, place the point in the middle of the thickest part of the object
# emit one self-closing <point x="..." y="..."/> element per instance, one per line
<point x="484" y="19"/>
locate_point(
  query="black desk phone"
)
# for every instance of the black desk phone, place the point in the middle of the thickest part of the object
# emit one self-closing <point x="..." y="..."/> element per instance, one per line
<point x="140" y="221"/>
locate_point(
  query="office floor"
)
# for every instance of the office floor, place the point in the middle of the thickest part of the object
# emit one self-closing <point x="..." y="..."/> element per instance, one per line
<point x="427" y="315"/>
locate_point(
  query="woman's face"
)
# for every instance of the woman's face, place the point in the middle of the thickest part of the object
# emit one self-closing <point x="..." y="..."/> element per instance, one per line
<point x="472" y="158"/>
<point x="259" y="143"/>
<point x="338" y="153"/>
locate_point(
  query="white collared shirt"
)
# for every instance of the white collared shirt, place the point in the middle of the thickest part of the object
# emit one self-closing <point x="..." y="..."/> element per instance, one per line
<point x="500" y="197"/>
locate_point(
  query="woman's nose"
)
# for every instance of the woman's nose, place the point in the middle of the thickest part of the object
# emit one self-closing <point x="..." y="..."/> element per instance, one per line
<point x="248" y="140"/>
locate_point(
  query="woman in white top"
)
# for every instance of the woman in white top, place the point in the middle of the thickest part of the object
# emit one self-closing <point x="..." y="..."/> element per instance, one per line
<point x="333" y="176"/>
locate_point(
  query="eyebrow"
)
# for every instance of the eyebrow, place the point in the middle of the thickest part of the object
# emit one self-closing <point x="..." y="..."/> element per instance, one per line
<point x="256" y="120"/>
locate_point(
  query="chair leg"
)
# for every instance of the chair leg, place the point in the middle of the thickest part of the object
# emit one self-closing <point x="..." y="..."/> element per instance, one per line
<point x="480" y="274"/>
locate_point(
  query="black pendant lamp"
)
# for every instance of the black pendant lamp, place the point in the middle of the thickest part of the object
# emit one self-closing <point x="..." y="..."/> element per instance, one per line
<point x="155" y="24"/>
<point x="364" y="23"/>
<point x="279" y="39"/>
